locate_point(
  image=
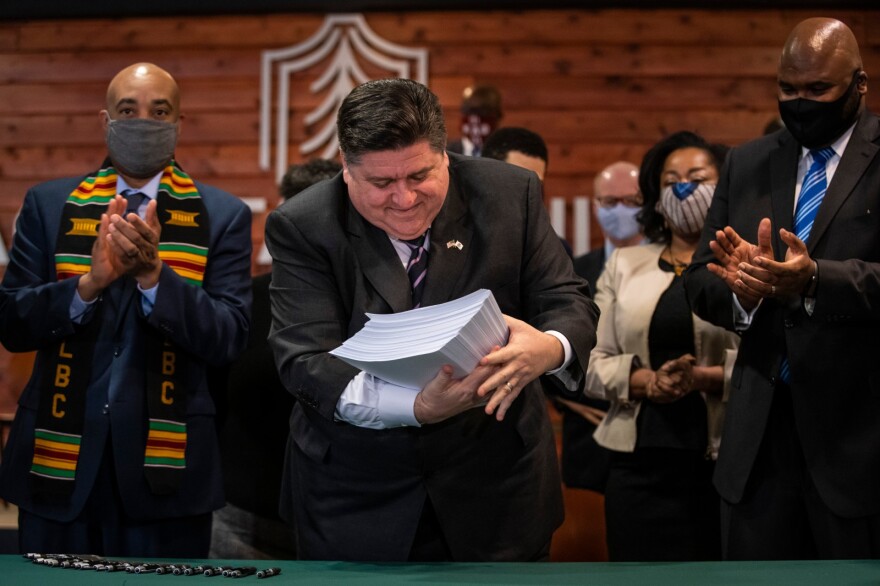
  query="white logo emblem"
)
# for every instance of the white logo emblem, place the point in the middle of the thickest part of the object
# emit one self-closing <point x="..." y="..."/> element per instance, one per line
<point x="344" y="41"/>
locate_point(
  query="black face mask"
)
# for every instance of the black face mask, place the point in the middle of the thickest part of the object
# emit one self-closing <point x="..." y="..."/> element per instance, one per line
<point x="818" y="124"/>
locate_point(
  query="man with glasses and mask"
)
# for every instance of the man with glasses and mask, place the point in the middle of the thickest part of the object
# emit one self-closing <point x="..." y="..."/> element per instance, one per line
<point x="130" y="283"/>
<point x="790" y="257"/>
<point x="616" y="203"/>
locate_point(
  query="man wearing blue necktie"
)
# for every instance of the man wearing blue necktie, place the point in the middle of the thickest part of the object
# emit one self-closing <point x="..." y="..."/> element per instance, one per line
<point x="790" y="257"/>
<point x="128" y="304"/>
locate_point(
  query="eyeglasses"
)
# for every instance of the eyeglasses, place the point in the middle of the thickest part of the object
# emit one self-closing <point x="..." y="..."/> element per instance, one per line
<point x="609" y="201"/>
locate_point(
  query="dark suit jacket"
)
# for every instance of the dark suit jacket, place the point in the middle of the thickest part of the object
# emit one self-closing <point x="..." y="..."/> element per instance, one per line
<point x="210" y="322"/>
<point x="455" y="146"/>
<point x="833" y="353"/>
<point x="590" y="265"/>
<point x="255" y="426"/>
<point x="584" y="462"/>
<point x="358" y="493"/>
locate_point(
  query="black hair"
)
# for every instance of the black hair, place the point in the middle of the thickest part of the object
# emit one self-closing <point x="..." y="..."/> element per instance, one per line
<point x="651" y="170"/>
<point x="302" y="175"/>
<point x="514" y="138"/>
<point x="389" y="114"/>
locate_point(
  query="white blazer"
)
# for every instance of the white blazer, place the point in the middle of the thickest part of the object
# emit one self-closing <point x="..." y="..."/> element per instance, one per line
<point x="627" y="294"/>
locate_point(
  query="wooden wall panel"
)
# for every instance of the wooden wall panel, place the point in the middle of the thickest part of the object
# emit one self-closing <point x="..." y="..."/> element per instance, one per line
<point x="599" y="85"/>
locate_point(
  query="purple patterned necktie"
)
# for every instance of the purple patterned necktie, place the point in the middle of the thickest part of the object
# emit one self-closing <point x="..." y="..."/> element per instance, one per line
<point x="417" y="268"/>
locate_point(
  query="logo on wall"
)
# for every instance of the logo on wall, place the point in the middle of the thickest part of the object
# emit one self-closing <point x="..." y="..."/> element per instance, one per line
<point x="344" y="53"/>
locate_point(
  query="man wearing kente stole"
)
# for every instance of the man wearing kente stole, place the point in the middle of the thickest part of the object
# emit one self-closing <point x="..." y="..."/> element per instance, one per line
<point x="130" y="283"/>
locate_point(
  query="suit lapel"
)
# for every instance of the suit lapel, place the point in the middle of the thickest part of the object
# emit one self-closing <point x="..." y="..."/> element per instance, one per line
<point x="379" y="261"/>
<point x="451" y="246"/>
<point x="859" y="153"/>
<point x="783" y="177"/>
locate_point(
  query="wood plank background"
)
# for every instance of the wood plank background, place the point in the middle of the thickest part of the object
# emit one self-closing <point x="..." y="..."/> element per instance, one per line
<point x="598" y="85"/>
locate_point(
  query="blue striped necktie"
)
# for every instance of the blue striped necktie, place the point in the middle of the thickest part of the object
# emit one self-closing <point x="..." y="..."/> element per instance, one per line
<point x="417" y="268"/>
<point x="812" y="191"/>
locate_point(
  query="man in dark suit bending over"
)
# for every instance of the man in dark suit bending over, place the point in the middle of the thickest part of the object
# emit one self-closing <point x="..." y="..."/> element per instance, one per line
<point x="790" y="257"/>
<point x="463" y="469"/>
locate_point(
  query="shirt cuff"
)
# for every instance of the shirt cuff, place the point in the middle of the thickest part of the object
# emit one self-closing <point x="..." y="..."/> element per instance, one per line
<point x="742" y="319"/>
<point x="148" y="298"/>
<point x="566" y="347"/>
<point x="79" y="308"/>
<point x="396" y="404"/>
<point x="373" y="403"/>
<point x="563" y="373"/>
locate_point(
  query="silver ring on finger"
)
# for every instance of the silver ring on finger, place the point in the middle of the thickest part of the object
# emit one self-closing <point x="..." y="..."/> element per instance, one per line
<point x="772" y="289"/>
<point x="508" y="386"/>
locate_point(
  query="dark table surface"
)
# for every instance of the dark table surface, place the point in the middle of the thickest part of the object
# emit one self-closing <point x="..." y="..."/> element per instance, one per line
<point x="15" y="570"/>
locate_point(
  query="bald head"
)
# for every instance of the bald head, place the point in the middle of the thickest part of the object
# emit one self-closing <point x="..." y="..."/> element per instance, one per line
<point x="819" y="62"/>
<point x="821" y="44"/>
<point x="620" y="179"/>
<point x="143" y="90"/>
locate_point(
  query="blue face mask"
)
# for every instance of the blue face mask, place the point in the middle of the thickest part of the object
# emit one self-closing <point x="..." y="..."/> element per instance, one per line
<point x="619" y="222"/>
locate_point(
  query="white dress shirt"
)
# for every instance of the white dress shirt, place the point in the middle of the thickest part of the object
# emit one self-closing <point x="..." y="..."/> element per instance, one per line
<point x="371" y="402"/>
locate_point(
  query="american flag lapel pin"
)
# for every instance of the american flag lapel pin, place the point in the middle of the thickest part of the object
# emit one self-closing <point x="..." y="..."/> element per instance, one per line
<point x="454" y="244"/>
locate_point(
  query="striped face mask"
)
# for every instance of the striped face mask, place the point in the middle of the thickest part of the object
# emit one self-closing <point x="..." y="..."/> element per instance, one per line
<point x="685" y="206"/>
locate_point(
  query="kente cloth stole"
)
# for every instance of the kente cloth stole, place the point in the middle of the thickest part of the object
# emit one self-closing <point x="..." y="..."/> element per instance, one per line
<point x="183" y="247"/>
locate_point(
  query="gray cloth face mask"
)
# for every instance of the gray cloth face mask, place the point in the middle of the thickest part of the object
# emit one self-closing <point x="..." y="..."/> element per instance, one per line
<point x="140" y="147"/>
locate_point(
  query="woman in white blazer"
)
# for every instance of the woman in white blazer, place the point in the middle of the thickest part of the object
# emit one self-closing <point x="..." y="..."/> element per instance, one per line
<point x="662" y="369"/>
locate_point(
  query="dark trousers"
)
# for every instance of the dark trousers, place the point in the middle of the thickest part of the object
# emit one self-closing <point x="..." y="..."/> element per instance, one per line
<point x="660" y="505"/>
<point x="782" y="516"/>
<point x="103" y="528"/>
<point x="429" y="544"/>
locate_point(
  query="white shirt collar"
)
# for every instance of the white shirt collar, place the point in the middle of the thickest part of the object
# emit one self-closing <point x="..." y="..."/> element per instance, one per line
<point x="151" y="189"/>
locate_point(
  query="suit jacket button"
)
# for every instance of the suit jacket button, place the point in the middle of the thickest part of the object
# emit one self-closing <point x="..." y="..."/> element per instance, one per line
<point x="773" y="381"/>
<point x="106" y="409"/>
<point x="788" y="323"/>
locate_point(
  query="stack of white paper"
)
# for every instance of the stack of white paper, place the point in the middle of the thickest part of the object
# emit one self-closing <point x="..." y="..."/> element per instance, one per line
<point x="410" y="347"/>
